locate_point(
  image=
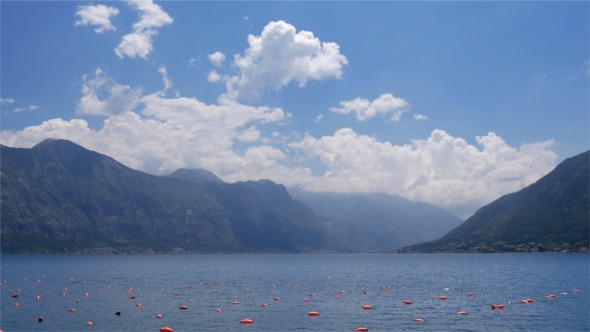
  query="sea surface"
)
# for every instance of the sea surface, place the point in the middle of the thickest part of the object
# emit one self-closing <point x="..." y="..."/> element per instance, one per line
<point x="277" y="292"/>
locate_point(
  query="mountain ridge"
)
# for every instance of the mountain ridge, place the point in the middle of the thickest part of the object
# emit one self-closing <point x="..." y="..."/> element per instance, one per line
<point x="552" y="214"/>
<point x="60" y="197"/>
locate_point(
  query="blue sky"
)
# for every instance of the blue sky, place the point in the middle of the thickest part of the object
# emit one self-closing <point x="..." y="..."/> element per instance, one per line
<point x="454" y="103"/>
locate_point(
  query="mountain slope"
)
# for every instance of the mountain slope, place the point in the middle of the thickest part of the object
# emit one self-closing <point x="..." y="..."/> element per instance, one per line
<point x="59" y="196"/>
<point x="377" y="222"/>
<point x="551" y="214"/>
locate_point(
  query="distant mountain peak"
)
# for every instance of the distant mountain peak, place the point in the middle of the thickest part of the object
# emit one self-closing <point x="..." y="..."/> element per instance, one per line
<point x="196" y="175"/>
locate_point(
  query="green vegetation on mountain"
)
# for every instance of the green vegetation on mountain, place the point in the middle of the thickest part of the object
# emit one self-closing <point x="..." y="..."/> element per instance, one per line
<point x="58" y="196"/>
<point x="549" y="215"/>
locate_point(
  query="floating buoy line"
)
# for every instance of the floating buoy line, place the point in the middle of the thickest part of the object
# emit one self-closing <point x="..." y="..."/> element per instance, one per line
<point x="314" y="299"/>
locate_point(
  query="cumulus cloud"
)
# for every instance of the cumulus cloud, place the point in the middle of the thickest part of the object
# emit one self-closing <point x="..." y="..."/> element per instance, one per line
<point x="213" y="77"/>
<point x="217" y="58"/>
<point x="279" y="56"/>
<point x="98" y="16"/>
<point x="441" y="169"/>
<point x="420" y="117"/>
<point x="76" y="130"/>
<point x="6" y="101"/>
<point x="364" y="109"/>
<point x="139" y="42"/>
<point x="103" y="96"/>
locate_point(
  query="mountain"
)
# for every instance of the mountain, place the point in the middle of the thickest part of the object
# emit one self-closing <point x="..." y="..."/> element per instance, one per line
<point x="198" y="175"/>
<point x="377" y="222"/>
<point x="549" y="215"/>
<point x="58" y="196"/>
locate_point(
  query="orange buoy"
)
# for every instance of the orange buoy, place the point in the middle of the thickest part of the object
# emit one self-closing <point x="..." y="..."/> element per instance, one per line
<point x="165" y="329"/>
<point x="138" y="305"/>
<point x="218" y="310"/>
<point x="550" y="296"/>
<point x="89" y="323"/>
<point x="418" y="320"/>
<point x="367" y="307"/>
<point x="462" y="313"/>
<point x="264" y="305"/>
<point x="37" y="297"/>
<point x="407" y="302"/>
<point x="362" y="329"/>
<point x="159" y="316"/>
<point x="470" y="294"/>
<point x="235" y="302"/>
<point x="527" y="301"/>
<point x="313" y="313"/>
<point x="277" y="299"/>
<point x="14" y="296"/>
<point x="72" y="310"/>
<point x="246" y="321"/>
<point x="15" y="304"/>
<point x="305" y="300"/>
<point x="442" y="297"/>
<point x="132" y="297"/>
<point x="40" y="319"/>
<point x="497" y="306"/>
<point x="183" y="307"/>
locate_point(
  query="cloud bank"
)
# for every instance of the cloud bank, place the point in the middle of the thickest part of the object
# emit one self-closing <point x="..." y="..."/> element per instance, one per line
<point x="237" y="141"/>
<point x="170" y="133"/>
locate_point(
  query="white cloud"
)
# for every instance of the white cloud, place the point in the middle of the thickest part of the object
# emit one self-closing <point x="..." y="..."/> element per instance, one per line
<point x="164" y="72"/>
<point x="441" y="169"/>
<point x="318" y="118"/>
<point x="213" y="77"/>
<point x="217" y="59"/>
<point x="28" y="108"/>
<point x="251" y="134"/>
<point x="420" y="117"/>
<point x="98" y="15"/>
<point x="139" y="42"/>
<point x="76" y="130"/>
<point x="6" y="101"/>
<point x="103" y="96"/>
<point x="365" y="109"/>
<point x="279" y="56"/>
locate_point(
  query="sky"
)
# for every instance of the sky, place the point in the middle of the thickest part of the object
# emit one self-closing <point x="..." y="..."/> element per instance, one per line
<point x="451" y="103"/>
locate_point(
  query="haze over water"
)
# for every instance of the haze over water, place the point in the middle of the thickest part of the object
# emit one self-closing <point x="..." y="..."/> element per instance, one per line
<point x="337" y="286"/>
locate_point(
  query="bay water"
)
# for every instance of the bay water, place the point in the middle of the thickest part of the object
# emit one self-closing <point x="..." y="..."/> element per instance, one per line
<point x="278" y="291"/>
